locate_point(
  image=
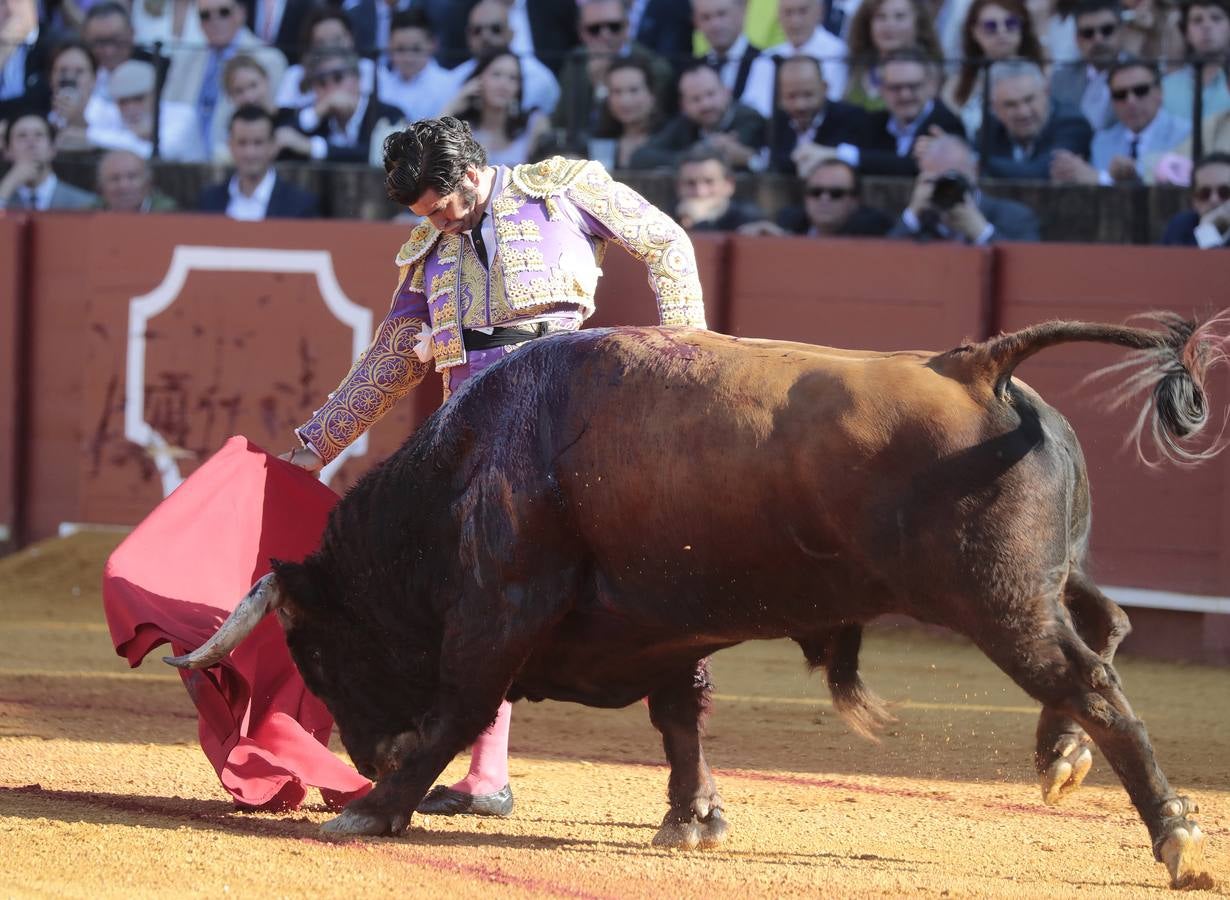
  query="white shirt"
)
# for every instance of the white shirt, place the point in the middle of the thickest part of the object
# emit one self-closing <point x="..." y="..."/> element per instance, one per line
<point x="1095" y="101"/>
<point x="342" y="136"/>
<point x="539" y="89"/>
<point x="268" y="19"/>
<point x="38" y="198"/>
<point x="179" y="139"/>
<point x="250" y="209"/>
<point x="522" y="42"/>
<point x="758" y="89"/>
<point x="830" y="50"/>
<point x="423" y="96"/>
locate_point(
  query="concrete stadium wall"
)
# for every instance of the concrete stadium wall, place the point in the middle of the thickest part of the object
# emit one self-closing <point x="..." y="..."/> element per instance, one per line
<point x="242" y="328"/>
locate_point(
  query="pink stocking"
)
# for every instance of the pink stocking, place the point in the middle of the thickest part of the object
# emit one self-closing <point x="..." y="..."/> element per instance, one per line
<point x="489" y="757"/>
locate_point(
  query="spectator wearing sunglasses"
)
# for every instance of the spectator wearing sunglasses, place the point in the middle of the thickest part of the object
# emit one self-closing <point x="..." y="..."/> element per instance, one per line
<point x="412" y="80"/>
<point x="832" y="207"/>
<point x="322" y="27"/>
<point x="1099" y="37"/>
<point x="1143" y="131"/>
<point x="994" y="30"/>
<point x="1207" y="223"/>
<point x="351" y="123"/>
<point x="1206" y="31"/>
<point x="602" y="26"/>
<point x="487" y="32"/>
<point x="195" y="72"/>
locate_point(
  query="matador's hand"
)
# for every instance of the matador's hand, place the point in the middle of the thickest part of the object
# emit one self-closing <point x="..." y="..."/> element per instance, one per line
<point x="304" y="459"/>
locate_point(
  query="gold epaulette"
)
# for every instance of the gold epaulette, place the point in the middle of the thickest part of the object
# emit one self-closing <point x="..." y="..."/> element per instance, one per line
<point x="550" y="177"/>
<point x="422" y="238"/>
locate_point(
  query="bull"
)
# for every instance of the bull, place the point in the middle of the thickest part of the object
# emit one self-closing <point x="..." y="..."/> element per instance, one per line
<point x="592" y="518"/>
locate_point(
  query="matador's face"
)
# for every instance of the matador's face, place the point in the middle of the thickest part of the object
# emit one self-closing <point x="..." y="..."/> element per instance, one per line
<point x="454" y="212"/>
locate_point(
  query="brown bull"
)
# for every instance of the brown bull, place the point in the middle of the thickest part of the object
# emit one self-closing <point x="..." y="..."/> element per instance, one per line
<point x="594" y="516"/>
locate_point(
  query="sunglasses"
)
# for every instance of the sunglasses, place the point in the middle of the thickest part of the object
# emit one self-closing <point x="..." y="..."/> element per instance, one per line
<point x="1206" y="193"/>
<point x="489" y="27"/>
<point x="333" y="76"/>
<point x="1088" y="34"/>
<point x="837" y="193"/>
<point x="222" y="12"/>
<point x="596" y="28"/>
<point x="1140" y="90"/>
<point x="1010" y="25"/>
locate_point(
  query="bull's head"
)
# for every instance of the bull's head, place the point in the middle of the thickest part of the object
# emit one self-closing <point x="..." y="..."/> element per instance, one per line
<point x="340" y="659"/>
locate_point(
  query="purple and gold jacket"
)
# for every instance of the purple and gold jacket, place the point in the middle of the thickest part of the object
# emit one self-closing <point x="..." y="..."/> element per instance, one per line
<point x="551" y="222"/>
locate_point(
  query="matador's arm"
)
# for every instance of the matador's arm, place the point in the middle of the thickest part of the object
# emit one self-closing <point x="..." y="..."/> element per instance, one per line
<point x="616" y="212"/>
<point x="383" y="374"/>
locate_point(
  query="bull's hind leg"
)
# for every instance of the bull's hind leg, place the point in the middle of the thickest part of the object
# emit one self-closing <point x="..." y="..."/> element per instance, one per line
<point x="836" y="651"/>
<point x="1062" y="756"/>
<point x="1046" y="657"/>
<point x="678" y="709"/>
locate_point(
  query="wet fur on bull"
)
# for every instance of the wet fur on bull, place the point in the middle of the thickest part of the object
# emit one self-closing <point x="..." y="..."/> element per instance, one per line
<point x="594" y="516"/>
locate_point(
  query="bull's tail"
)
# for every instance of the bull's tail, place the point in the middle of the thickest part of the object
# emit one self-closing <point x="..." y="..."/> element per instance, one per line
<point x="1171" y="365"/>
<point x="859" y="706"/>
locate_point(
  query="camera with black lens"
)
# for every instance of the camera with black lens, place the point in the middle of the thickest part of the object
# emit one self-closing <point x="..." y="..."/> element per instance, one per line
<point x="949" y="190"/>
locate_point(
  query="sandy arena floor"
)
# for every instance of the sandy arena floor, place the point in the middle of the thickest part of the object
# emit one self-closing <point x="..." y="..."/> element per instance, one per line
<point x="104" y="791"/>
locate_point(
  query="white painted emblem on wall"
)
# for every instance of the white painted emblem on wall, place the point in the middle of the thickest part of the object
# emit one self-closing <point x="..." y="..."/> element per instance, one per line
<point x="227" y="259"/>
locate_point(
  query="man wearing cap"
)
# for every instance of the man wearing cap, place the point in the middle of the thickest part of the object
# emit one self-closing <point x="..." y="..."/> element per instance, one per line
<point x="132" y="89"/>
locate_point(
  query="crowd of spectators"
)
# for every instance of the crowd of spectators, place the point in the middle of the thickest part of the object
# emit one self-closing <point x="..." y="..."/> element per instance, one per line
<point x="943" y="92"/>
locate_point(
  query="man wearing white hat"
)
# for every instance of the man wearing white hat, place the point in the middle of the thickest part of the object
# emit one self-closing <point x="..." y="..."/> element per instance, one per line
<point x="131" y="87"/>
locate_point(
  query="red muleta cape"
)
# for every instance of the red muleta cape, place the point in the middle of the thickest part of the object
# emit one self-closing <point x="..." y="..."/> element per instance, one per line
<point x="178" y="576"/>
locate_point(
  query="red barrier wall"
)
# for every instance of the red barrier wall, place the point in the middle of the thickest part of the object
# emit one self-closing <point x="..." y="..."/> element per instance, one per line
<point x="624" y="296"/>
<point x="1166" y="528"/>
<point x="12" y="253"/>
<point x="874" y="295"/>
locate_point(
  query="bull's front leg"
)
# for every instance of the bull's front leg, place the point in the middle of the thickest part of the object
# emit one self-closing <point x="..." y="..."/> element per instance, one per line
<point x="678" y="709"/>
<point x="413" y="761"/>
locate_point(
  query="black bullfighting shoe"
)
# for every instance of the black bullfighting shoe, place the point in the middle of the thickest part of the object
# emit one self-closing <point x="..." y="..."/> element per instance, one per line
<point x="444" y="801"/>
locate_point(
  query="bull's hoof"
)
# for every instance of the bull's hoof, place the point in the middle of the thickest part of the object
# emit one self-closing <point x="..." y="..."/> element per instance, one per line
<point x="354" y="822"/>
<point x="1182" y="847"/>
<point x="1065" y="774"/>
<point x="692" y="833"/>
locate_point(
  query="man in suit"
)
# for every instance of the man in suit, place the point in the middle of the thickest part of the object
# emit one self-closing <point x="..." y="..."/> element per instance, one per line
<point x="958" y="211"/>
<point x="663" y="27"/>
<point x="255" y="191"/>
<point x="1144" y="130"/>
<point x="1026" y="129"/>
<point x="279" y="23"/>
<point x="809" y="127"/>
<point x="1099" y="37"/>
<point x="546" y="29"/>
<point x="745" y="69"/>
<point x="832" y="207"/>
<point x="350" y="122"/>
<point x="1207" y="224"/>
<point x="602" y="26"/>
<point x="125" y="185"/>
<point x="706" y="113"/>
<point x="195" y="73"/>
<point x="23" y="60"/>
<point x="806" y="36"/>
<point x="913" y="115"/>
<point x="30" y="183"/>
<point x="705" y="189"/>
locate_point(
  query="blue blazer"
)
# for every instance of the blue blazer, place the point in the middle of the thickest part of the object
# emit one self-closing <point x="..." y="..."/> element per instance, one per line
<point x="286" y="202"/>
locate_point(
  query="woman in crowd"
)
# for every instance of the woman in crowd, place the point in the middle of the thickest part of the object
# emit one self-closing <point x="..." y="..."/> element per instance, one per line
<point x="491" y="102"/>
<point x="246" y="83"/>
<point x="75" y="106"/>
<point x="630" y="115"/>
<point x="994" y="30"/>
<point x="325" y="27"/>
<point x="878" y="28"/>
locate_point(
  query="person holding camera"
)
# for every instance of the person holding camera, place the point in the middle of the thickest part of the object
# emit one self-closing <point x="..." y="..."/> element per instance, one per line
<point x="947" y="206"/>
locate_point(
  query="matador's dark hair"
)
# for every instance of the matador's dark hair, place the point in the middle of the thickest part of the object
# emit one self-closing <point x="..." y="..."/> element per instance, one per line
<point x="431" y="153"/>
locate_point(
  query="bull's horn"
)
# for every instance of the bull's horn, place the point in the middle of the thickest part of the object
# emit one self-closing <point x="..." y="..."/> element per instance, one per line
<point x="264" y="596"/>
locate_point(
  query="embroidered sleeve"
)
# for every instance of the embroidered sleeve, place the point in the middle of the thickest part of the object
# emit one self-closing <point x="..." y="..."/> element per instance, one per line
<point x="616" y="212"/>
<point x="384" y="373"/>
